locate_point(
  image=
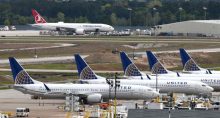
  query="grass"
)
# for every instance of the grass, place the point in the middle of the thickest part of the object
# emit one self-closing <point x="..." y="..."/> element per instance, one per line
<point x="99" y="48"/>
<point x="61" y="66"/>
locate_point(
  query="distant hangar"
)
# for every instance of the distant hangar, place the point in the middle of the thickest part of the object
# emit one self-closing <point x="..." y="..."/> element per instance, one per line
<point x="191" y="28"/>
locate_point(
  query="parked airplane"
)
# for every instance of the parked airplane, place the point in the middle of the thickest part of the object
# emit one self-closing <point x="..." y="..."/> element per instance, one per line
<point x="90" y="93"/>
<point x="164" y="86"/>
<point x="78" y="28"/>
<point x="212" y="80"/>
<point x="190" y="66"/>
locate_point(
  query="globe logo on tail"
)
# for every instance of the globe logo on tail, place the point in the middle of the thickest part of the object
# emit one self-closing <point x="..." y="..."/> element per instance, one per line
<point x="87" y="74"/>
<point x="23" y="78"/>
<point x="132" y="70"/>
<point x="191" y="66"/>
<point x="158" y="69"/>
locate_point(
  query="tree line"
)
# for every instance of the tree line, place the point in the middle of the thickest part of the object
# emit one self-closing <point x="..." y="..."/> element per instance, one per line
<point x="113" y="12"/>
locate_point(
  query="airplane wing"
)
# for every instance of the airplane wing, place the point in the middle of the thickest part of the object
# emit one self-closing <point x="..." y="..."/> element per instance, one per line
<point x="66" y="93"/>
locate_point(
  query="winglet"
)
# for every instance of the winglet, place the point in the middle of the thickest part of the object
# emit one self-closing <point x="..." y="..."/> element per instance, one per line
<point x="148" y="77"/>
<point x="155" y="65"/>
<point x="129" y="67"/>
<point x="47" y="88"/>
<point x="84" y="71"/>
<point x="188" y="63"/>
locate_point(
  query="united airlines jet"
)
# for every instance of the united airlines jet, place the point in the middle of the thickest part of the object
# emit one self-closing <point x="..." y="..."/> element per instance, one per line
<point x="190" y="66"/>
<point x="212" y="80"/>
<point x="78" y="28"/>
<point x="88" y="92"/>
<point x="164" y="86"/>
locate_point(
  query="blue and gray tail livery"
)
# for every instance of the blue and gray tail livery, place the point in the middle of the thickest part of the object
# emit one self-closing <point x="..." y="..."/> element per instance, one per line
<point x="84" y="71"/>
<point x="188" y="63"/>
<point x="129" y="68"/>
<point x="20" y="76"/>
<point x="155" y="66"/>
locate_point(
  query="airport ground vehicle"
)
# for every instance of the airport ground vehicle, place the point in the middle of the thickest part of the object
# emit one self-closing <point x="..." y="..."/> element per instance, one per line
<point x="22" y="112"/>
<point x="4" y="115"/>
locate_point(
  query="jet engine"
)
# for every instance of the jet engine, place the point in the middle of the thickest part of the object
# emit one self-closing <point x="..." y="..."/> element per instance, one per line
<point x="94" y="98"/>
<point x="80" y="31"/>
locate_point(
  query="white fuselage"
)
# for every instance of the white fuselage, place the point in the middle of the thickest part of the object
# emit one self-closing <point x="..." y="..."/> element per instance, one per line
<point x="165" y="86"/>
<point x="209" y="79"/>
<point x="87" y="27"/>
<point x="82" y="90"/>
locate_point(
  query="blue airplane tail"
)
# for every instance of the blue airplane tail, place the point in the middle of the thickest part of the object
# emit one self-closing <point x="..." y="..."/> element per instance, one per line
<point x="84" y="71"/>
<point x="20" y="76"/>
<point x="129" y="67"/>
<point x="188" y="63"/>
<point x="155" y="66"/>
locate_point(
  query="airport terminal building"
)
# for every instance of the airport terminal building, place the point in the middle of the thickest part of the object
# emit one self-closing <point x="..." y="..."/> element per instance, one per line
<point x="210" y="28"/>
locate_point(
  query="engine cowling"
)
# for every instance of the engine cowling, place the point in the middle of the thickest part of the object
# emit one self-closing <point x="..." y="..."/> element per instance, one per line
<point x="80" y="31"/>
<point x="94" y="98"/>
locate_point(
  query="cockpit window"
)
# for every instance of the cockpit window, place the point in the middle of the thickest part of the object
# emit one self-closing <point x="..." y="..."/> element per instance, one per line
<point x="149" y="90"/>
<point x="203" y="85"/>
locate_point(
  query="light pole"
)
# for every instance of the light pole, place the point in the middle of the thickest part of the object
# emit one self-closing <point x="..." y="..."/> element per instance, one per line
<point x="180" y="10"/>
<point x="130" y="9"/>
<point x="204" y="8"/>
<point x="110" y="82"/>
<point x="156" y="81"/>
<point x="154" y="18"/>
<point x="117" y="84"/>
<point x="154" y="14"/>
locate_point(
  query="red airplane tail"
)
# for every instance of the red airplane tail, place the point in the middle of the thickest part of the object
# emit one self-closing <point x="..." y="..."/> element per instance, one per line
<point x="37" y="17"/>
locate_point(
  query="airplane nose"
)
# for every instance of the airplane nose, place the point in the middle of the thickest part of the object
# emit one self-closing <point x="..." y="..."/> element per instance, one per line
<point x="156" y="94"/>
<point x="210" y="89"/>
<point x="112" y="28"/>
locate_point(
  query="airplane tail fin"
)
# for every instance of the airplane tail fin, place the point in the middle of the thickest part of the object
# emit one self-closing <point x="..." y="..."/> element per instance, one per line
<point x="188" y="63"/>
<point x="20" y="76"/>
<point x="129" y="67"/>
<point x="84" y="71"/>
<point x="37" y="17"/>
<point x="155" y="65"/>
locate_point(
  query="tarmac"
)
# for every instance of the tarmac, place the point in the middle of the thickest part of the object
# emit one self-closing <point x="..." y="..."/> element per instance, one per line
<point x="20" y="33"/>
<point x="11" y="99"/>
<point x="144" y="113"/>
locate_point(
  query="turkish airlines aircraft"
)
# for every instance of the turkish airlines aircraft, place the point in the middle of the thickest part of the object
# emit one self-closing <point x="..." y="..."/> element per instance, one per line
<point x="78" y="28"/>
<point x="164" y="86"/>
<point x="90" y="93"/>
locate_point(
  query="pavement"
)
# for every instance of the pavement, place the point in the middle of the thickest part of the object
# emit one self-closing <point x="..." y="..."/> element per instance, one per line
<point x="40" y="60"/>
<point x="20" y="33"/>
<point x="177" y="51"/>
<point x="11" y="99"/>
<point x="59" y="71"/>
<point x="55" y="45"/>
